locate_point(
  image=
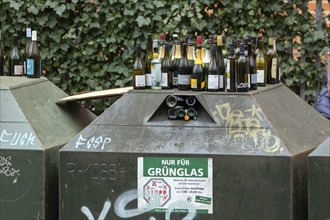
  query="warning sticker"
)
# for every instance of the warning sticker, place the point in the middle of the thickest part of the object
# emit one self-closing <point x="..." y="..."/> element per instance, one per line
<point x="166" y="182"/>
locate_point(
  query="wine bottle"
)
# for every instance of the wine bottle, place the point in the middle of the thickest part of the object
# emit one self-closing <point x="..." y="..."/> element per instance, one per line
<point x="149" y="57"/>
<point x="15" y="60"/>
<point x="28" y="34"/>
<point x="173" y="101"/>
<point x="33" y="59"/>
<point x="167" y="68"/>
<point x="260" y="64"/>
<point x="221" y="65"/>
<point x="231" y="71"/>
<point x="156" y="72"/>
<point x="191" y="56"/>
<point x="174" y="39"/>
<point x="271" y="63"/>
<point x="139" y="77"/>
<point x="213" y="72"/>
<point x="252" y="68"/>
<point x="207" y="55"/>
<point x="242" y="71"/>
<point x="161" y="54"/>
<point x="184" y="73"/>
<point x="176" y="62"/>
<point x="197" y="78"/>
<point x="190" y="101"/>
<point x="275" y="60"/>
<point x="1" y="57"/>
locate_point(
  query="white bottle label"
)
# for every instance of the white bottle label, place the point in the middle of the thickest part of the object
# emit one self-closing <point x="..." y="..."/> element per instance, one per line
<point x="274" y="66"/>
<point x="140" y="81"/>
<point x="148" y="79"/>
<point x="260" y="76"/>
<point x="29" y="67"/>
<point x="156" y="74"/>
<point x="164" y="81"/>
<point x="249" y="80"/>
<point x="227" y="65"/>
<point x="213" y="82"/>
<point x="18" y="70"/>
<point x="221" y="82"/>
<point x="254" y="78"/>
<point x="228" y="83"/>
<point x="184" y="79"/>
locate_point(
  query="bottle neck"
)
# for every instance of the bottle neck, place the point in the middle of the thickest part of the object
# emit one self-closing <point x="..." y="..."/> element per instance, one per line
<point x="199" y="55"/>
<point x="190" y="54"/>
<point x="177" y="53"/>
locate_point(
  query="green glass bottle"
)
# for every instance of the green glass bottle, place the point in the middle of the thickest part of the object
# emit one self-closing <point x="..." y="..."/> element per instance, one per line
<point x="147" y="65"/>
<point x="252" y="68"/>
<point x="213" y="76"/>
<point x="260" y="64"/>
<point x="156" y="72"/>
<point x="1" y="57"/>
<point x="184" y="74"/>
<point x="33" y="59"/>
<point x="139" y="77"/>
<point x="271" y="63"/>
<point x="231" y="71"/>
<point x="242" y="71"/>
<point x="197" y="78"/>
<point x="167" y="68"/>
<point x="15" y="60"/>
<point x="176" y="62"/>
<point x="221" y="65"/>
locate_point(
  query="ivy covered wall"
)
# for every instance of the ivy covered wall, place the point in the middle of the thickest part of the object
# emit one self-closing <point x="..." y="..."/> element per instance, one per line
<point x="89" y="45"/>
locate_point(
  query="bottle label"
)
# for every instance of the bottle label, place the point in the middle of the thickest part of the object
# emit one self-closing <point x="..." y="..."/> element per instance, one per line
<point x="221" y="82"/>
<point x="193" y="83"/>
<point x="260" y="76"/>
<point x="242" y="85"/>
<point x="228" y="82"/>
<point x="213" y="82"/>
<point x="18" y="70"/>
<point x="164" y="81"/>
<point x="184" y="79"/>
<point x="274" y="67"/>
<point x="156" y="74"/>
<point x="254" y="78"/>
<point x="140" y="81"/>
<point x="249" y="81"/>
<point x="29" y="67"/>
<point x="148" y="79"/>
<point x="227" y="66"/>
<point x="203" y="85"/>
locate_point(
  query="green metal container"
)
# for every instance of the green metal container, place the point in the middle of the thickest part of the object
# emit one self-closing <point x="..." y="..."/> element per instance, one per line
<point x="319" y="182"/>
<point x="244" y="157"/>
<point x="32" y="130"/>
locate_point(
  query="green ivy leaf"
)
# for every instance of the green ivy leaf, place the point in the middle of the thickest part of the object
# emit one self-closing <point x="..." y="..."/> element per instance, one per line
<point x="59" y="10"/>
<point x="32" y="9"/>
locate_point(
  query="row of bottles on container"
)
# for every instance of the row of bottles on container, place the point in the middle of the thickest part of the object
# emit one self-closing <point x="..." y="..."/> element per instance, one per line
<point x="28" y="64"/>
<point x="242" y="66"/>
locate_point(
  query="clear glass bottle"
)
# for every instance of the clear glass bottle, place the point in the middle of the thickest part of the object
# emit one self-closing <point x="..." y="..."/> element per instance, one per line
<point x="139" y="77"/>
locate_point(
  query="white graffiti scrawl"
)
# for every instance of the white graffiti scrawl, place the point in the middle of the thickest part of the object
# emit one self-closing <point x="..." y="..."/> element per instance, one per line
<point x="7" y="169"/>
<point x="125" y="198"/>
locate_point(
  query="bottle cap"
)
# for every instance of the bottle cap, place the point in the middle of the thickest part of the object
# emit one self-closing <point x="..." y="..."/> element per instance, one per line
<point x="186" y="117"/>
<point x="162" y="37"/>
<point x="138" y="44"/>
<point x="199" y="40"/>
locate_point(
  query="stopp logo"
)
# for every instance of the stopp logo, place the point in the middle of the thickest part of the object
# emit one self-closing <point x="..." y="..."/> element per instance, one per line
<point x="159" y="187"/>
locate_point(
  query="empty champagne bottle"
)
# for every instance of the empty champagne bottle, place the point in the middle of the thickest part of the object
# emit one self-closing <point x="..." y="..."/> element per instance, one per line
<point x="197" y="78"/>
